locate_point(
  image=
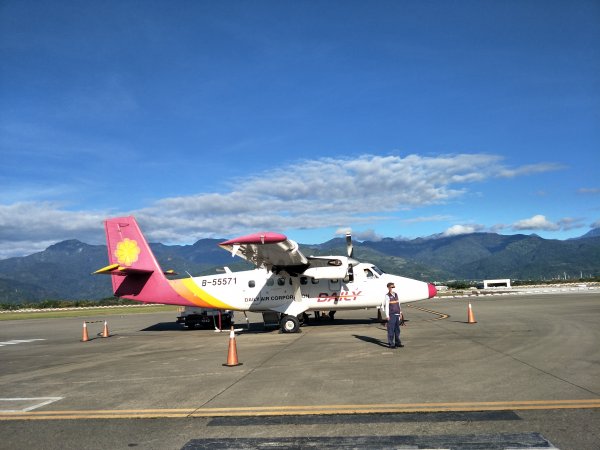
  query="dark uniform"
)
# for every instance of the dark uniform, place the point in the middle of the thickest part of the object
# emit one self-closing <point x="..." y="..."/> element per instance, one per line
<point x="394" y="314"/>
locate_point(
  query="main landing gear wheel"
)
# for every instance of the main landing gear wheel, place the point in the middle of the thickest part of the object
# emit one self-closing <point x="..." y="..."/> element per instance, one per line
<point x="290" y="324"/>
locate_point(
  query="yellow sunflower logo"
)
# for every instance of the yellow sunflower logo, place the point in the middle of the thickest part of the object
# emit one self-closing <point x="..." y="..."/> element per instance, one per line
<point x="127" y="252"/>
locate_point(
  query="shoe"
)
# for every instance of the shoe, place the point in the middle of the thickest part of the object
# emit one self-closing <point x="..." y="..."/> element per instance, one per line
<point x="392" y="346"/>
<point x="399" y="345"/>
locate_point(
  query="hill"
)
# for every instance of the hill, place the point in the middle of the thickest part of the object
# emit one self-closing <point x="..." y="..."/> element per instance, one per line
<point x="478" y="256"/>
<point x="63" y="270"/>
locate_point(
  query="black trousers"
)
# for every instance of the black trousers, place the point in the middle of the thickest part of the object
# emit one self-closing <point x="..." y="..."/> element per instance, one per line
<point x="393" y="329"/>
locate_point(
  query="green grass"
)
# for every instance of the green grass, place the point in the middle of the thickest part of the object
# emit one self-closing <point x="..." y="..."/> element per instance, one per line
<point x="85" y="312"/>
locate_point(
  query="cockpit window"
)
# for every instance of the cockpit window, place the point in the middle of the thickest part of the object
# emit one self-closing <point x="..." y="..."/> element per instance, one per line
<point x="377" y="270"/>
<point x="368" y="273"/>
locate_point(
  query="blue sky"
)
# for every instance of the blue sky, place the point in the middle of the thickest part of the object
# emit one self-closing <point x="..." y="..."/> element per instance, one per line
<point x="395" y="119"/>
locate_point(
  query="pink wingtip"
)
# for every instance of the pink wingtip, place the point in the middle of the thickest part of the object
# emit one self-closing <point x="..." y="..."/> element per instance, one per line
<point x="257" y="238"/>
<point x="432" y="291"/>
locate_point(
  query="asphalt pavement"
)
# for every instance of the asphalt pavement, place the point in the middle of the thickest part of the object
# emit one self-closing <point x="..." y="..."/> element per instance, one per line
<point x="526" y="375"/>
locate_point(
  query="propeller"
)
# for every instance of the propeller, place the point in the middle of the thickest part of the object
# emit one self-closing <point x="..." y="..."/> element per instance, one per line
<point x="349" y="248"/>
<point x="350" y="251"/>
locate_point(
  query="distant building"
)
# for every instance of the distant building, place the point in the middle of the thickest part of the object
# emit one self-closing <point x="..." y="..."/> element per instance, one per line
<point x="487" y="284"/>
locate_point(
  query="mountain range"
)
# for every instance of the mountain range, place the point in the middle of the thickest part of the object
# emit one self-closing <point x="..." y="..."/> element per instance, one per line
<point x="63" y="270"/>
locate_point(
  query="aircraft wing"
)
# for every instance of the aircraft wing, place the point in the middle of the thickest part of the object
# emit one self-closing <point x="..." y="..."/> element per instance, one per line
<point x="269" y="250"/>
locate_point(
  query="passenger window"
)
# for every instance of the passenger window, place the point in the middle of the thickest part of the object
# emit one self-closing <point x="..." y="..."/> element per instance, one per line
<point x="303" y="280"/>
<point x="270" y="282"/>
<point x="251" y="283"/>
<point x="281" y="281"/>
<point x="314" y="281"/>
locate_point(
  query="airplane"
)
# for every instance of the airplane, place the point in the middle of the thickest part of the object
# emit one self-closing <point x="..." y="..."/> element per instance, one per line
<point x="285" y="281"/>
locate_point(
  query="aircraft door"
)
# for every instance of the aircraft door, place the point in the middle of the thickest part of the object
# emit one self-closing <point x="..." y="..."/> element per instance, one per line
<point x="334" y="289"/>
<point x="334" y="285"/>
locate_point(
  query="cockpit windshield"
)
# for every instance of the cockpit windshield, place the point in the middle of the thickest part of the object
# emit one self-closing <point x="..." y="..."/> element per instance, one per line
<point x="377" y="270"/>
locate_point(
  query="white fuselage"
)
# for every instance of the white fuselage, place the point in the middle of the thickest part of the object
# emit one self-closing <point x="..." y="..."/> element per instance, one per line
<point x="261" y="290"/>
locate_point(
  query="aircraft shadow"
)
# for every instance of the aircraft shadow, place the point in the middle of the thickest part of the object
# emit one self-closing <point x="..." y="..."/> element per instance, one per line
<point x="163" y="326"/>
<point x="258" y="327"/>
<point x="371" y="340"/>
<point x="173" y="326"/>
<point x="312" y="322"/>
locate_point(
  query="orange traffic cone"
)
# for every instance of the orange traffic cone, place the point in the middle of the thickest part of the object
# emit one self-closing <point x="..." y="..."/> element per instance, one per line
<point x="105" y="330"/>
<point x="232" y="359"/>
<point x="85" y="336"/>
<point x="470" y="316"/>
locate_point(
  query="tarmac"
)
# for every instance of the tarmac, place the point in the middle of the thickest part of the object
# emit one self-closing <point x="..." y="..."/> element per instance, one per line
<point x="526" y="375"/>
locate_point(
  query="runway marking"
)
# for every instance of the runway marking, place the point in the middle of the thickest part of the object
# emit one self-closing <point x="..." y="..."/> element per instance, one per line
<point x="442" y="316"/>
<point x="18" y="341"/>
<point x="27" y="400"/>
<point x="299" y="410"/>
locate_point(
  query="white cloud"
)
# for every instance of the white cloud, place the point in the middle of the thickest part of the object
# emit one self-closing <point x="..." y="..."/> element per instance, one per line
<point x="367" y="235"/>
<point x="27" y="227"/>
<point x="456" y="230"/>
<point x="309" y="194"/>
<point x="528" y="169"/>
<point x="343" y="231"/>
<point x="537" y="222"/>
<point x="23" y="247"/>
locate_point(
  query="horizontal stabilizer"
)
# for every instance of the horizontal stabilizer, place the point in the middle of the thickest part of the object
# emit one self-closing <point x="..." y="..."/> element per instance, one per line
<point x="117" y="269"/>
<point x="107" y="269"/>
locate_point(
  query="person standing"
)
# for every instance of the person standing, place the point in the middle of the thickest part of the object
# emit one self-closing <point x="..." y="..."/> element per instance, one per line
<point x="393" y="313"/>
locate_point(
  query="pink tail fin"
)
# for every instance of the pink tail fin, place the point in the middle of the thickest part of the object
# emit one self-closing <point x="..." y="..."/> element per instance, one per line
<point x="135" y="273"/>
<point x="128" y="247"/>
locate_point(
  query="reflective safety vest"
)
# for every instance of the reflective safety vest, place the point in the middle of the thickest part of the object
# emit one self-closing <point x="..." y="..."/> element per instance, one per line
<point x="394" y="304"/>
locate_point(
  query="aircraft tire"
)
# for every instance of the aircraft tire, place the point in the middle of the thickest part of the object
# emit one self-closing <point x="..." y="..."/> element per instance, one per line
<point x="290" y="324"/>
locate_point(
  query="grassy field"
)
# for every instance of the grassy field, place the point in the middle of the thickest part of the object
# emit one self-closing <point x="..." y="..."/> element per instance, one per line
<point x="86" y="312"/>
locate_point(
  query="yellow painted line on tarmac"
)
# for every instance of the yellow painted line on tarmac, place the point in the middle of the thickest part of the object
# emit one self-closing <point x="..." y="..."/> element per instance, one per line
<point x="441" y="316"/>
<point x="302" y="410"/>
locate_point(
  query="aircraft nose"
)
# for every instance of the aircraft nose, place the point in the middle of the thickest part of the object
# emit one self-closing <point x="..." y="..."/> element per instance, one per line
<point x="432" y="291"/>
